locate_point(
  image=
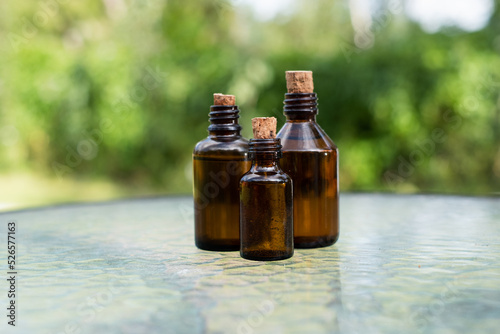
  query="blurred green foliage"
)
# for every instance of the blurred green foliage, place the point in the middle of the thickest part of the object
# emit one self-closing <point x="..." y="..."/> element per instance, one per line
<point x="121" y="89"/>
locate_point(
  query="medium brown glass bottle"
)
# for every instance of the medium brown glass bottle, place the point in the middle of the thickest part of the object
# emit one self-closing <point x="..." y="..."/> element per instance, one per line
<point x="266" y="205"/>
<point x="311" y="159"/>
<point x="219" y="161"/>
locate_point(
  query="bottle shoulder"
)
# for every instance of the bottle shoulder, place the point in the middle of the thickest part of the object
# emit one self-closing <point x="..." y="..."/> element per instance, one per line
<point x="266" y="177"/>
<point x="305" y="136"/>
<point x="209" y="146"/>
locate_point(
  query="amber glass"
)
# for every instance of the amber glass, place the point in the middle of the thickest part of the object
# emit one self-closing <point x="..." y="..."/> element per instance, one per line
<point x="266" y="205"/>
<point x="219" y="161"/>
<point x="311" y="159"/>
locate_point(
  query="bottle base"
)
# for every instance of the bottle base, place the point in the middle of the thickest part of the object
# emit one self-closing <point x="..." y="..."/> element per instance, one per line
<point x="266" y="255"/>
<point x="219" y="246"/>
<point x="315" y="242"/>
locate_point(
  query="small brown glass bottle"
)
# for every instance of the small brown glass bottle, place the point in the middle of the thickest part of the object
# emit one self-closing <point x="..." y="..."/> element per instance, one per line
<point x="219" y="161"/>
<point x="311" y="159"/>
<point x="266" y="204"/>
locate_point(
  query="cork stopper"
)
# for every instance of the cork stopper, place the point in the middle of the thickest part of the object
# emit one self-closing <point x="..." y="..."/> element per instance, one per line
<point x="299" y="81"/>
<point x="224" y="100"/>
<point x="264" y="127"/>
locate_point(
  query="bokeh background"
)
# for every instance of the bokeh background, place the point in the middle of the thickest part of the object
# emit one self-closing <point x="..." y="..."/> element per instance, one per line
<point x="103" y="99"/>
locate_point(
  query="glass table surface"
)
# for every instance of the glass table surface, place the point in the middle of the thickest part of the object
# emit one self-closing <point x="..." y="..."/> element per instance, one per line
<point x="403" y="264"/>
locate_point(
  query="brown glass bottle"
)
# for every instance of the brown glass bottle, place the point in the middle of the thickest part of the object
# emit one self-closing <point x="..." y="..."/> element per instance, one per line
<point x="311" y="159"/>
<point x="266" y="205"/>
<point x="219" y="161"/>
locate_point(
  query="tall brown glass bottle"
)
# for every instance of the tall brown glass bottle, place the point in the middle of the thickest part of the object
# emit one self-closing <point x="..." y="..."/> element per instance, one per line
<point x="219" y="161"/>
<point x="266" y="205"/>
<point x="311" y="159"/>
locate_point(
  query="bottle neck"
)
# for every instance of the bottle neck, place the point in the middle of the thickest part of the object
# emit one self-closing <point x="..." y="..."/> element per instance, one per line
<point x="300" y="107"/>
<point x="265" y="154"/>
<point x="224" y="123"/>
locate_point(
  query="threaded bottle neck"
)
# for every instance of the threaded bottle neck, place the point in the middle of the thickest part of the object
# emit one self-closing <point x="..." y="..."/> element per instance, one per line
<point x="224" y="123"/>
<point x="265" y="152"/>
<point x="300" y="106"/>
